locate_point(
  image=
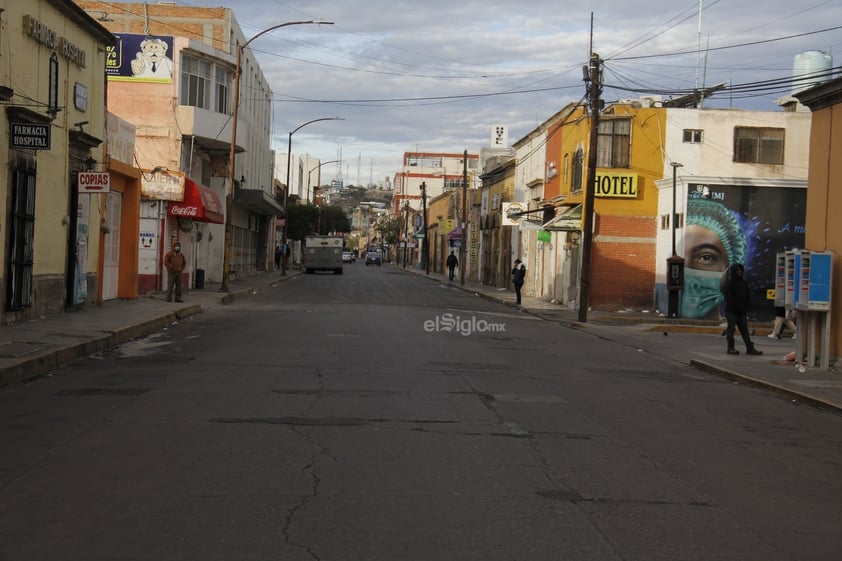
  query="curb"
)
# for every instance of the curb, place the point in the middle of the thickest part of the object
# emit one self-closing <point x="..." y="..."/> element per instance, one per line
<point x="41" y="362"/>
<point x="756" y="382"/>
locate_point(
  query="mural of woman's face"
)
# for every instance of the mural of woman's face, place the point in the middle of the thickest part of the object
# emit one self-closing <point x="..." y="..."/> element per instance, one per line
<point x="703" y="249"/>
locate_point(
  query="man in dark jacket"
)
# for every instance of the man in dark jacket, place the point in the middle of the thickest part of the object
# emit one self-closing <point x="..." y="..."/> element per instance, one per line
<point x="452" y="263"/>
<point x="737" y="295"/>
<point x="175" y="263"/>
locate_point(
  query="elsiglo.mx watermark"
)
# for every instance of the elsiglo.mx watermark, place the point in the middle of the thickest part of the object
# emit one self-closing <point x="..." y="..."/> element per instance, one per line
<point x="463" y="326"/>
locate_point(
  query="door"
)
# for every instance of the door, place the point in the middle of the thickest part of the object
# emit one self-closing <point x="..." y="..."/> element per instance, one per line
<point x="111" y="259"/>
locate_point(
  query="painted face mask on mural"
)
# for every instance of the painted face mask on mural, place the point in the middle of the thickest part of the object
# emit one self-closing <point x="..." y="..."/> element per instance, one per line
<point x="701" y="293"/>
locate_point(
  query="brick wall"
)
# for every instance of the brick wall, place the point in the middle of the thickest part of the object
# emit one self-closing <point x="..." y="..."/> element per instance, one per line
<point x="623" y="263"/>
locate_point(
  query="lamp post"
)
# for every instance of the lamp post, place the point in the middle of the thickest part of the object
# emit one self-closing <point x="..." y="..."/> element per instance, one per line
<point x="229" y="191"/>
<point x="311" y="171"/>
<point x="464" y="227"/>
<point x="405" y="230"/>
<point x="675" y="263"/>
<point x="426" y="253"/>
<point x="286" y="191"/>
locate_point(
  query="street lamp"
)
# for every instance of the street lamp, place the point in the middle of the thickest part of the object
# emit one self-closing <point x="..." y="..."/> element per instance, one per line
<point x="675" y="263"/>
<point x="311" y="171"/>
<point x="286" y="191"/>
<point x="426" y="253"/>
<point x="229" y="191"/>
<point x="405" y="230"/>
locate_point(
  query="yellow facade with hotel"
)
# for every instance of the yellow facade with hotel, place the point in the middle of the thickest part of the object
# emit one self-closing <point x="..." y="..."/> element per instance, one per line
<point x="625" y="199"/>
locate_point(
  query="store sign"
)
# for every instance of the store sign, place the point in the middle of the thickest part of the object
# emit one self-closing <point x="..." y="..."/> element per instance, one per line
<point x="29" y="136"/>
<point x="616" y="185"/>
<point x="94" y="182"/>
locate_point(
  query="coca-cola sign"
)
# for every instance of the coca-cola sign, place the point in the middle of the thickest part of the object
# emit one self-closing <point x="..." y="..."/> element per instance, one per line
<point x="191" y="211"/>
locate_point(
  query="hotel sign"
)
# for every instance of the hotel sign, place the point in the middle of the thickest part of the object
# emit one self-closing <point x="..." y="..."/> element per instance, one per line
<point x="29" y="136"/>
<point x="616" y="185"/>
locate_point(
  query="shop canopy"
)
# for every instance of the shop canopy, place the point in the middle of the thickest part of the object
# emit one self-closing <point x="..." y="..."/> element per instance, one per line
<point x="569" y="220"/>
<point x="200" y="204"/>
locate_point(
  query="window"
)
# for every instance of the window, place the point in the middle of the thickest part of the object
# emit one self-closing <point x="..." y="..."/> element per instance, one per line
<point x="422" y="161"/>
<point x="52" y="103"/>
<point x="21" y="236"/>
<point x="693" y="136"/>
<point x="452" y="183"/>
<point x="613" y="143"/>
<point x="577" y="171"/>
<point x="195" y="82"/>
<point x="222" y="98"/>
<point x="758" y="145"/>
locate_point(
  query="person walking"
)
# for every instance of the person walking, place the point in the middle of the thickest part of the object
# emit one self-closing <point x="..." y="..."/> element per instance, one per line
<point x="737" y="295"/>
<point x="175" y="262"/>
<point x="278" y="253"/>
<point x="518" y="275"/>
<point x="452" y="263"/>
<point x="781" y="320"/>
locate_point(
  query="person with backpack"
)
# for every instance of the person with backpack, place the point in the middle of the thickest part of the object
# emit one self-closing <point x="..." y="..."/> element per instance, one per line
<point x="518" y="275"/>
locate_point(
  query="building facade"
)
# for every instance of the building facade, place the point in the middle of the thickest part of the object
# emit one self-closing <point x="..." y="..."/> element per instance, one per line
<point x="824" y="232"/>
<point x="53" y="88"/>
<point x="171" y="74"/>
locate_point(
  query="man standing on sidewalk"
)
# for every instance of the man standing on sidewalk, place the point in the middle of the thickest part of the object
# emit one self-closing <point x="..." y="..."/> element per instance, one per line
<point x="737" y="295"/>
<point x="175" y="262"/>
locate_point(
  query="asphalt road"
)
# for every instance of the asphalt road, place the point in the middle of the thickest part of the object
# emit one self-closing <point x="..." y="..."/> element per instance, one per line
<point x="335" y="418"/>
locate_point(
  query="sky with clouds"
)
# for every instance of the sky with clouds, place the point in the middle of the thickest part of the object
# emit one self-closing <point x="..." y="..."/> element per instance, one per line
<point x="437" y="76"/>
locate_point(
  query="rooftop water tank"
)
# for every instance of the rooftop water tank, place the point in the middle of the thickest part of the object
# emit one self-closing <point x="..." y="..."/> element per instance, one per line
<point x="809" y="69"/>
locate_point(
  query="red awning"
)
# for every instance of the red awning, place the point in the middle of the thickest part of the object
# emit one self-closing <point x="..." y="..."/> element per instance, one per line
<point x="200" y="203"/>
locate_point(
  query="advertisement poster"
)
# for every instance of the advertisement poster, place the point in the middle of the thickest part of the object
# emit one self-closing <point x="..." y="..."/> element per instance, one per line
<point x="727" y="224"/>
<point x="140" y="58"/>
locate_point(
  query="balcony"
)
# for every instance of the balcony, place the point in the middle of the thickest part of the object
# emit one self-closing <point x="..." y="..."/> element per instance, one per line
<point x="210" y="131"/>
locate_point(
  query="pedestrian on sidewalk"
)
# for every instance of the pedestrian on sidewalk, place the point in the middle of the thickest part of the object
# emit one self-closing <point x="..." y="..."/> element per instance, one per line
<point x="782" y="319"/>
<point x="518" y="275"/>
<point x="175" y="262"/>
<point x="737" y="295"/>
<point x="452" y="263"/>
<point x="278" y="253"/>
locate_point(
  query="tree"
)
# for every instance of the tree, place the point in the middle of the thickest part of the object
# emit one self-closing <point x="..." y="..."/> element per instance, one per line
<point x="335" y="220"/>
<point x="389" y="229"/>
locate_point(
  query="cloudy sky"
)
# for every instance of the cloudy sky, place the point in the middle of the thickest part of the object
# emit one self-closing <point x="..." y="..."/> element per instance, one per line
<point x="438" y="75"/>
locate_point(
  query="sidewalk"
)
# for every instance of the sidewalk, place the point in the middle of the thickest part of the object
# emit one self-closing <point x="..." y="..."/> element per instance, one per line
<point x="691" y="342"/>
<point x="32" y="348"/>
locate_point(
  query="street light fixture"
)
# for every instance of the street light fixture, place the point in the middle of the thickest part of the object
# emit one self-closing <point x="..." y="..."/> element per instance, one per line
<point x="229" y="191"/>
<point x="286" y="191"/>
<point x="311" y="171"/>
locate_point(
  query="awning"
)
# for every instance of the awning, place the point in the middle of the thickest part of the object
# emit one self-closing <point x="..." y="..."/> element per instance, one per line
<point x="569" y="220"/>
<point x="258" y="201"/>
<point x="200" y="204"/>
<point x="454" y="234"/>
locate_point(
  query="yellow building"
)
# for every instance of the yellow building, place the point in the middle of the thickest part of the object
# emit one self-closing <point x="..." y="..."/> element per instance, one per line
<point x="52" y="84"/>
<point x="625" y="198"/>
<point x="496" y="259"/>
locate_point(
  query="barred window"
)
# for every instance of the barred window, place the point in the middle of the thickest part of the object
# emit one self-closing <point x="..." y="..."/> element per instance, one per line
<point x="577" y="171"/>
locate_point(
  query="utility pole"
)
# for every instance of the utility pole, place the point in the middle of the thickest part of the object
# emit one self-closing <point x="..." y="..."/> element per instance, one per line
<point x="424" y="259"/>
<point x="464" y="226"/>
<point x="593" y="79"/>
